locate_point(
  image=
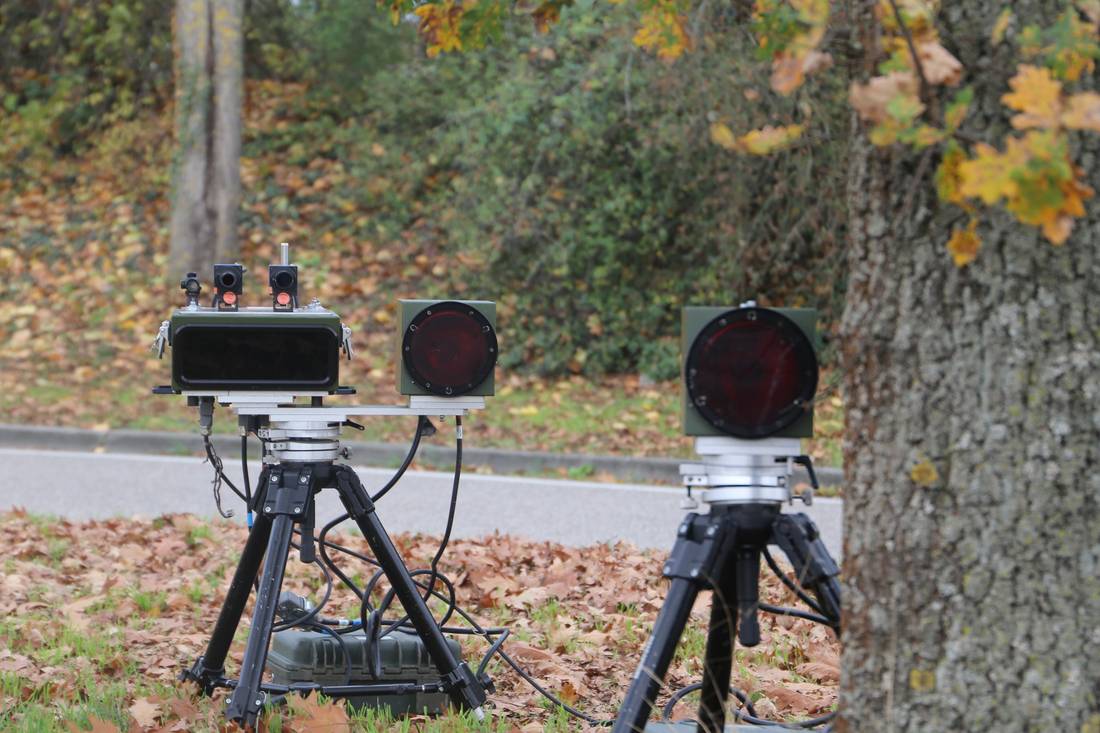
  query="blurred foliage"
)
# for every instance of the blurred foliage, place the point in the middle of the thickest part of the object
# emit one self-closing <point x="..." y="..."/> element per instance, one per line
<point x="570" y="176"/>
<point x="573" y="178"/>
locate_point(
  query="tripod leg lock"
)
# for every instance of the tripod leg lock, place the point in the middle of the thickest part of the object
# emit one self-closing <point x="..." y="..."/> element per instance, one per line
<point x="798" y="537"/>
<point x="697" y="555"/>
<point x="288" y="492"/>
<point x="356" y="499"/>
<point x="463" y="683"/>
<point x="207" y="679"/>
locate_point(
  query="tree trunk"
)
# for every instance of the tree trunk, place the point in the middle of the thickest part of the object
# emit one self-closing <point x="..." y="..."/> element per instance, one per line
<point x="972" y="604"/>
<point x="206" y="187"/>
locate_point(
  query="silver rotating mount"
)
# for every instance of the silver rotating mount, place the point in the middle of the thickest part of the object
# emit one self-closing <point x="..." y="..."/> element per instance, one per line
<point x="302" y="441"/>
<point x="736" y="471"/>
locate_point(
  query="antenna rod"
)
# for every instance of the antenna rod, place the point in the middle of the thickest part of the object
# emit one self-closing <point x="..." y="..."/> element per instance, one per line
<point x="284" y="253"/>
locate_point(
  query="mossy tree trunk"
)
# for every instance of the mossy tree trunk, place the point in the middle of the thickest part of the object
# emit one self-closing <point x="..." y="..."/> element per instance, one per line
<point x="206" y="182"/>
<point x="972" y="604"/>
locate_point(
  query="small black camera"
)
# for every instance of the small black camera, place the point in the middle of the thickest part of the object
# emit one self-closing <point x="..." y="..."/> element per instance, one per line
<point x="228" y="286"/>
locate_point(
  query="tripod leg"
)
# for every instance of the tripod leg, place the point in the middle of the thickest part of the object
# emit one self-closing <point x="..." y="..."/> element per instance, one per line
<point x="208" y="668"/>
<point x="246" y="701"/>
<point x="211" y="665"/>
<point x="658" y="653"/>
<point x="703" y="541"/>
<point x="465" y="688"/>
<point x="718" y="659"/>
<point x="815" y="568"/>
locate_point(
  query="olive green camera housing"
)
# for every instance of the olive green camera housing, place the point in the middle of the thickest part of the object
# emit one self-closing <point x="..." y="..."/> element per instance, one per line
<point x="693" y="320"/>
<point x="407" y="311"/>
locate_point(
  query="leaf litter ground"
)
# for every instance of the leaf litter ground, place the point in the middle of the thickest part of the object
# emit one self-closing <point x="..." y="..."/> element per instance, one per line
<point x="97" y="618"/>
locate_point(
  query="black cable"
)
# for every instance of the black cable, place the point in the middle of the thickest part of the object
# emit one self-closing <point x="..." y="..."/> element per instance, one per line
<point x="796" y="613"/>
<point x="794" y="588"/>
<point x="451" y="511"/>
<point x="405" y="463"/>
<point x="343" y="646"/>
<point x="666" y="713"/>
<point x="244" y="472"/>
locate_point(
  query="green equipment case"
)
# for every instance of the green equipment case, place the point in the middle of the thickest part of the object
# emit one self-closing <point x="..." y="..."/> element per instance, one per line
<point x="313" y="656"/>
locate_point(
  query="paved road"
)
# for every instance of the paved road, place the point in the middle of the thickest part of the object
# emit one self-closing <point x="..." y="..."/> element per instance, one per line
<point x="89" y="485"/>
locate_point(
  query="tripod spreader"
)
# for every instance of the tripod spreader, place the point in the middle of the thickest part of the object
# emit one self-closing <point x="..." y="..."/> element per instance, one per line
<point x="720" y="551"/>
<point x="285" y="498"/>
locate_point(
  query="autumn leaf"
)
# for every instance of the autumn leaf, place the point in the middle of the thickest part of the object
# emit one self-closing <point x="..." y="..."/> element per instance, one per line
<point x="313" y="716"/>
<point x="769" y="139"/>
<point x="956" y="110"/>
<point x="963" y="246"/>
<point x="145" y="712"/>
<point x="98" y="726"/>
<point x="948" y="178"/>
<point x="1082" y="112"/>
<point x="720" y="134"/>
<point x="1000" y="27"/>
<point x="1037" y="95"/>
<point x="940" y="67"/>
<point x="663" y="29"/>
<point x="870" y="100"/>
<point x="989" y="174"/>
<point x="440" y="25"/>
<point x="924" y="473"/>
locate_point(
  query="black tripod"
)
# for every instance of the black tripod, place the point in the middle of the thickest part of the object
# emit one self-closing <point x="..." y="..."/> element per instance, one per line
<point x="284" y="498"/>
<point x="721" y="551"/>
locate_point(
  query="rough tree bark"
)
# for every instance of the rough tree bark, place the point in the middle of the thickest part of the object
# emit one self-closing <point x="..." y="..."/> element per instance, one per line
<point x="206" y="186"/>
<point x="973" y="604"/>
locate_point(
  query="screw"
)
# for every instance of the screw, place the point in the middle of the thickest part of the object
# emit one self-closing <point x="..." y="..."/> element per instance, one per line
<point x="695" y="572"/>
<point x="711" y="531"/>
<point x="267" y="508"/>
<point x="297" y="509"/>
<point x="259" y="702"/>
<point x="303" y="478"/>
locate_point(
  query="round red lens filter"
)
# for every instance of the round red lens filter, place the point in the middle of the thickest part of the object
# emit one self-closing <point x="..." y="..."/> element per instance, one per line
<point x="751" y="372"/>
<point x="449" y="348"/>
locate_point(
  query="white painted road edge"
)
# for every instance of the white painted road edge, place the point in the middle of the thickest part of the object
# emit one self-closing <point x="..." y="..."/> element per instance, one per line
<point x="78" y="485"/>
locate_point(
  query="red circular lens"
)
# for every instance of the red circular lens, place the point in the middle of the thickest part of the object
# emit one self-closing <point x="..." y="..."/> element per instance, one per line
<point x="449" y="348"/>
<point x="751" y="372"/>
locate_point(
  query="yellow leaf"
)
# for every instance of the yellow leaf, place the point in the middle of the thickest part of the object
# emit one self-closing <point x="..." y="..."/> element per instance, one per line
<point x="1000" y="26"/>
<point x="924" y="473"/>
<point x="1037" y="95"/>
<point x="769" y="139"/>
<point x="720" y="134"/>
<point x="440" y="24"/>
<point x="664" y="30"/>
<point x="948" y="179"/>
<point x="1082" y="112"/>
<point x="963" y="246"/>
<point x="988" y="175"/>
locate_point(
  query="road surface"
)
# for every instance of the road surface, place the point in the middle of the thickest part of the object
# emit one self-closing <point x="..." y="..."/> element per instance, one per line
<point x="77" y="485"/>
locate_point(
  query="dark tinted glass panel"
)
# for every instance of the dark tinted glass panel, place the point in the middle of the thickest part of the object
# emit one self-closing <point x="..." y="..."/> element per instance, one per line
<point x="255" y="356"/>
<point x="751" y="373"/>
<point x="449" y="348"/>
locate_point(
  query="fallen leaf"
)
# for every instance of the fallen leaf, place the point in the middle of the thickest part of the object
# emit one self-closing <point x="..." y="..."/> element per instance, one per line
<point x="145" y="712"/>
<point x="964" y="244"/>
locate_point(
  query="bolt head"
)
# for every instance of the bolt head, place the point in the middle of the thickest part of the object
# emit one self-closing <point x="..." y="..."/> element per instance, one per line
<point x="303" y="478"/>
<point x="297" y="509"/>
<point x="695" y="572"/>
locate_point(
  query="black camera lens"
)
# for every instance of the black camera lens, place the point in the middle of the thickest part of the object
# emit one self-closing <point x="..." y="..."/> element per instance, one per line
<point x="228" y="280"/>
<point x="283" y="279"/>
<point x="449" y="348"/>
<point x="751" y="372"/>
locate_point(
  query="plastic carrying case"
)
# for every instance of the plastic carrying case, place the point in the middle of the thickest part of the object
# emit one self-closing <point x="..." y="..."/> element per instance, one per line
<point x="313" y="656"/>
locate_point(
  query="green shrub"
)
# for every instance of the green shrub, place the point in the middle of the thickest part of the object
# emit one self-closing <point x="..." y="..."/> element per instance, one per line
<point x="573" y="178"/>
